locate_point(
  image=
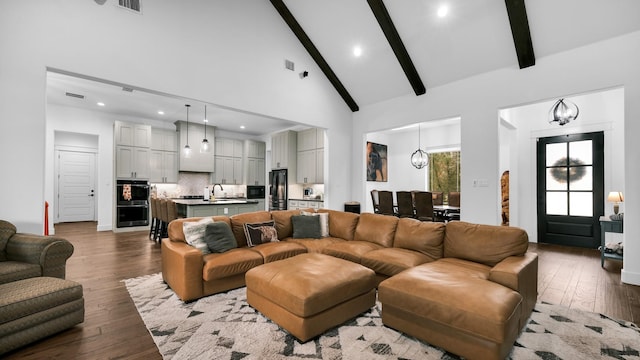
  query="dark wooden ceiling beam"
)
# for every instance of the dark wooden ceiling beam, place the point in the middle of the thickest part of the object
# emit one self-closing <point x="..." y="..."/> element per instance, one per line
<point x="314" y="52"/>
<point x="390" y="32"/>
<point x="520" y="31"/>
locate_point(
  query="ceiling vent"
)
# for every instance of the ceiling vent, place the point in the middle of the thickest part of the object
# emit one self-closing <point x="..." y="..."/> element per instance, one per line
<point x="127" y="89"/>
<point x="288" y="64"/>
<point x="74" y="95"/>
<point x="133" y="5"/>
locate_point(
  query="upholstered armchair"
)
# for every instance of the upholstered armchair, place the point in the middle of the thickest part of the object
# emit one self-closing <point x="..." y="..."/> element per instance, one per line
<point x="25" y="256"/>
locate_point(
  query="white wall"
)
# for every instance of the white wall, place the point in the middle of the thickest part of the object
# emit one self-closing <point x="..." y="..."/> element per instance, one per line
<point x="229" y="53"/>
<point x="477" y="100"/>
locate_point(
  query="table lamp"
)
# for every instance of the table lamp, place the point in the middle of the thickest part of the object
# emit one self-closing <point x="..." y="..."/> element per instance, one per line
<point x="615" y="197"/>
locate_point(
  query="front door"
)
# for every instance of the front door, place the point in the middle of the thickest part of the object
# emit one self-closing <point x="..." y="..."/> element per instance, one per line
<point x="76" y="186"/>
<point x="570" y="174"/>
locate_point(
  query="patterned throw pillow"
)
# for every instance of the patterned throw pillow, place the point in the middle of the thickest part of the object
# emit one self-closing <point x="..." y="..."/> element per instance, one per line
<point x="194" y="233"/>
<point x="260" y="233"/>
<point x="324" y="221"/>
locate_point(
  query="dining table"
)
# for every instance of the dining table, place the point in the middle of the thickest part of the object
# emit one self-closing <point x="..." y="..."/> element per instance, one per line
<point x="442" y="212"/>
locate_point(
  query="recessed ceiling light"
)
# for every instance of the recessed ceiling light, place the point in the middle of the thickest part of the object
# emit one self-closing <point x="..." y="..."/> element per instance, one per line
<point x="357" y="51"/>
<point x="100" y="104"/>
<point x="443" y="10"/>
<point x="160" y="112"/>
<point x="242" y="126"/>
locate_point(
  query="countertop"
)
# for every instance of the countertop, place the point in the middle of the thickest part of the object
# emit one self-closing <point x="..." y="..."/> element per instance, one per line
<point x="313" y="199"/>
<point x="198" y="202"/>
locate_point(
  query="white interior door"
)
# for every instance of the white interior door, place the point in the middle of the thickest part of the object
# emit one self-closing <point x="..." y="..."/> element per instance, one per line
<point x="76" y="186"/>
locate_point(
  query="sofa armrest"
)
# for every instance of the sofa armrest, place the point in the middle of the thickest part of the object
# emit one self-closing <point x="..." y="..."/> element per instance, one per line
<point x="50" y="252"/>
<point x="182" y="266"/>
<point x="519" y="273"/>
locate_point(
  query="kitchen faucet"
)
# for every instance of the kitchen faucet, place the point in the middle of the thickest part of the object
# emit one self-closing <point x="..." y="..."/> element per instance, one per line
<point x="213" y="189"/>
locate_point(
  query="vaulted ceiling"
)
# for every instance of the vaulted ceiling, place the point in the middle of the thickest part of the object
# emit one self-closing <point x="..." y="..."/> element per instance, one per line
<point x="407" y="47"/>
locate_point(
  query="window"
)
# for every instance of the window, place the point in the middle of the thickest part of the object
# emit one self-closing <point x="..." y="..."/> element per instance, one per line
<point x="444" y="172"/>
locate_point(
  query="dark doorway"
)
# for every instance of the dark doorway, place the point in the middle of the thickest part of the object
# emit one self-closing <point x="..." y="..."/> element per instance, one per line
<point x="570" y="174"/>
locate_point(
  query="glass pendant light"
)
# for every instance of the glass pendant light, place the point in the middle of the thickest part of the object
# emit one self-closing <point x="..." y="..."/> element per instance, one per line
<point x="563" y="112"/>
<point x="187" y="148"/>
<point x="204" y="145"/>
<point x="419" y="158"/>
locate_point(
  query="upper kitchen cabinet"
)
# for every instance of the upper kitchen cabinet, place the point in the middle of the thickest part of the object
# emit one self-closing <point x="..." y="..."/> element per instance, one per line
<point x="129" y="134"/>
<point x="197" y="161"/>
<point x="255" y="160"/>
<point x="283" y="150"/>
<point x="132" y="162"/>
<point x="164" y="140"/>
<point x="228" y="167"/>
<point x="229" y="147"/>
<point x="164" y="156"/>
<point x="310" y="156"/>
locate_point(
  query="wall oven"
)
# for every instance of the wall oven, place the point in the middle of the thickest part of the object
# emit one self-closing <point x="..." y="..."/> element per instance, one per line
<point x="132" y="203"/>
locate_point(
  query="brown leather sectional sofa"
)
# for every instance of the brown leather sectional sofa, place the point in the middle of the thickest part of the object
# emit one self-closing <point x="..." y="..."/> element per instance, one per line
<point x="465" y="287"/>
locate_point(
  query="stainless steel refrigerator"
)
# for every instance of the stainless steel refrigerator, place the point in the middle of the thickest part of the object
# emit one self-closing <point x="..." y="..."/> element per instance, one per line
<point x="278" y="189"/>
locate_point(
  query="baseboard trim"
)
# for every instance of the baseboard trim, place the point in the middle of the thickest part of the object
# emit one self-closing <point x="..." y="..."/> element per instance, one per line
<point x="104" y="228"/>
<point x="629" y="277"/>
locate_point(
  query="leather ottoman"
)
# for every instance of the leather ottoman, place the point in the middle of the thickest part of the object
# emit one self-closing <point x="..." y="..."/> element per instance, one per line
<point x="310" y="293"/>
<point x="34" y="308"/>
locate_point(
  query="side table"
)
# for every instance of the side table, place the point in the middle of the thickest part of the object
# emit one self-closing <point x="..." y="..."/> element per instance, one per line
<point x="608" y="225"/>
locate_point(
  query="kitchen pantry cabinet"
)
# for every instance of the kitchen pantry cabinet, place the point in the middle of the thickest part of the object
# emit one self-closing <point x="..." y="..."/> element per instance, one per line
<point x="132" y="162"/>
<point x="283" y="150"/>
<point x="310" y="157"/>
<point x="198" y="162"/>
<point x="127" y="134"/>
<point x="255" y="162"/>
<point x="228" y="161"/>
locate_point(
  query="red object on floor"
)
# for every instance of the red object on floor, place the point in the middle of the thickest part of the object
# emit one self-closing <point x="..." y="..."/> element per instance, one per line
<point x="46" y="218"/>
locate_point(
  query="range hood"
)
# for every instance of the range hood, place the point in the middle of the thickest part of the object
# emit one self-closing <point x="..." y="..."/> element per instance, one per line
<point x="197" y="162"/>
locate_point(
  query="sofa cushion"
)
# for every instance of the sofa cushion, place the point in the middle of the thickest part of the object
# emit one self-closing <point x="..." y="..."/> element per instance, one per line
<point x="219" y="237"/>
<point x="391" y="261"/>
<point x="15" y="270"/>
<point x="485" y="244"/>
<point x="376" y="228"/>
<point x="194" y="233"/>
<point x="260" y="233"/>
<point x="232" y="262"/>
<point x="280" y="250"/>
<point x="315" y="245"/>
<point x="350" y="250"/>
<point x="305" y="227"/>
<point x="238" y="221"/>
<point x="324" y="221"/>
<point x="423" y="236"/>
<point x="341" y="224"/>
<point x="282" y="219"/>
<point x="7" y="230"/>
<point x="175" y="232"/>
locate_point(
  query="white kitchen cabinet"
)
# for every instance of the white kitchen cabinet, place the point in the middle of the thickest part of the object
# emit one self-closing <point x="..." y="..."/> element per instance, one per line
<point x="283" y="150"/>
<point x="319" y="138"/>
<point x="256" y="149"/>
<point x="307" y="139"/>
<point x="197" y="161"/>
<point x="163" y="139"/>
<point x="310" y="161"/>
<point x="307" y="167"/>
<point x="255" y="171"/>
<point x="164" y="167"/>
<point x="228" y="170"/>
<point x="229" y="147"/>
<point x="129" y="134"/>
<point x="132" y="162"/>
<point x="261" y="205"/>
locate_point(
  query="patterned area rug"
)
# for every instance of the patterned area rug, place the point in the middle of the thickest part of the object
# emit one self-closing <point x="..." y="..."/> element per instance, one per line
<point x="224" y="326"/>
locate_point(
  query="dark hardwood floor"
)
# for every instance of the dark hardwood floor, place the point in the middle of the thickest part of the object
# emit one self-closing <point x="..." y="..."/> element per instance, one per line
<point x="114" y="330"/>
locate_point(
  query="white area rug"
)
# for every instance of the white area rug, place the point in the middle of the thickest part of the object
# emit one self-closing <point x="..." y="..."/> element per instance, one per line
<point x="223" y="326"/>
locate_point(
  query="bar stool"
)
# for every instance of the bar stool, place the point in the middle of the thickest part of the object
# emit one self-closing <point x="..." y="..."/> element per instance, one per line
<point x="155" y="221"/>
<point x="164" y="217"/>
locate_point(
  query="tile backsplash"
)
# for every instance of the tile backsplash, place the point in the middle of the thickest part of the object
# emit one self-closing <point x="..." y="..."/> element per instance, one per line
<point x="193" y="183"/>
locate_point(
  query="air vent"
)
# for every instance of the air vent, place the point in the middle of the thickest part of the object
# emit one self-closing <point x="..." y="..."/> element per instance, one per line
<point x="133" y="5"/>
<point x="127" y="89"/>
<point x="288" y="64"/>
<point x="75" y="95"/>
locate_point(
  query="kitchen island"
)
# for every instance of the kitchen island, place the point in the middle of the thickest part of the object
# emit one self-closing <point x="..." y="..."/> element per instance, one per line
<point x="201" y="208"/>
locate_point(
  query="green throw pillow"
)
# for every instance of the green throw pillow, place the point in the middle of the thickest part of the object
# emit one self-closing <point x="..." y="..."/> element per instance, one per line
<point x="219" y="237"/>
<point x="305" y="227"/>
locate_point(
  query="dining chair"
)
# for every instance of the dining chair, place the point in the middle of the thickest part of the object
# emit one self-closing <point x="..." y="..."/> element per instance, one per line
<point x="424" y="205"/>
<point x="385" y="202"/>
<point x="375" y="201"/>
<point x="437" y="197"/>
<point x="454" y="200"/>
<point x="405" y="204"/>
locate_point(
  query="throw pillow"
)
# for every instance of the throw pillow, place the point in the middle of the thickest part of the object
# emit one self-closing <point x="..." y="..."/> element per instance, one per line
<point x="324" y="221"/>
<point x="305" y="227"/>
<point x="194" y="233"/>
<point x="260" y="233"/>
<point x="219" y="237"/>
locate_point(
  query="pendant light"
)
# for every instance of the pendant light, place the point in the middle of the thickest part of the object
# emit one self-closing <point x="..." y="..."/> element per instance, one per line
<point x="419" y="158"/>
<point x="204" y="145"/>
<point x="563" y="112"/>
<point x="187" y="148"/>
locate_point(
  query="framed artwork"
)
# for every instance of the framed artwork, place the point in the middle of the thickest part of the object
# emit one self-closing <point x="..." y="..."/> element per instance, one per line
<point x="376" y="162"/>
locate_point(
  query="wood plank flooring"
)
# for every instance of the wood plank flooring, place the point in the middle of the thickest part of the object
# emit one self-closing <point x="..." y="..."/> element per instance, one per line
<point x="114" y="330"/>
